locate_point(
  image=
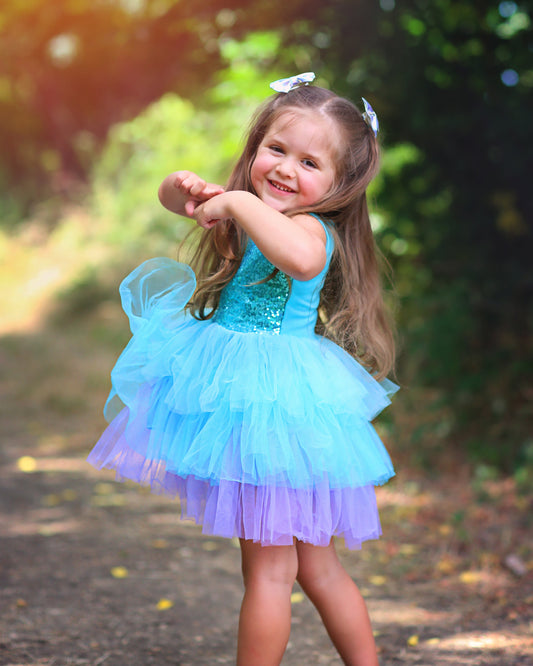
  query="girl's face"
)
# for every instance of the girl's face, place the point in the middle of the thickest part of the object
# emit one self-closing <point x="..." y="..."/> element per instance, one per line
<point x="295" y="162"/>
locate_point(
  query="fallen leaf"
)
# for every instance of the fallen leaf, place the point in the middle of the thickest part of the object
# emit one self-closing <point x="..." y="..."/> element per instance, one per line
<point x="412" y="640"/>
<point x="52" y="500"/>
<point x="409" y="549"/>
<point x="297" y="598"/>
<point x="470" y="577"/>
<point x="119" y="572"/>
<point x="378" y="580"/>
<point x="164" y="604"/>
<point x="446" y="565"/>
<point x="433" y="641"/>
<point x="27" y="464"/>
<point x="159" y="543"/>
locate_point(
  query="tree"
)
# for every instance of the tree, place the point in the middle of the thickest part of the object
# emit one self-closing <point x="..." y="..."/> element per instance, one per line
<point x="452" y="83"/>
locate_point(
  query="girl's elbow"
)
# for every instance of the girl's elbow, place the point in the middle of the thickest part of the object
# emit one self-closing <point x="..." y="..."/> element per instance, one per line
<point x="308" y="266"/>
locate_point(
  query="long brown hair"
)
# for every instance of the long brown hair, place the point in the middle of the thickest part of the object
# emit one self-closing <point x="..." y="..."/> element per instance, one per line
<point x="351" y="311"/>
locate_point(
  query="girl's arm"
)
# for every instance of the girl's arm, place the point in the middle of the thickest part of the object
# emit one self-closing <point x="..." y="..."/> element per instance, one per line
<point x="296" y="245"/>
<point x="182" y="191"/>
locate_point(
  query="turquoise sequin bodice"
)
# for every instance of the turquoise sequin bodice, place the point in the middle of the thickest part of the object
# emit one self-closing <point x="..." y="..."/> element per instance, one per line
<point x="253" y="302"/>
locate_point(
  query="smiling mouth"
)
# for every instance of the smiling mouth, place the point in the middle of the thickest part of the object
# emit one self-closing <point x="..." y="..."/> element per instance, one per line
<point x="280" y="187"/>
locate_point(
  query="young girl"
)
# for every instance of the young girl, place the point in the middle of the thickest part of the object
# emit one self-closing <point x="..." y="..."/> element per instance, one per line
<point x="238" y="394"/>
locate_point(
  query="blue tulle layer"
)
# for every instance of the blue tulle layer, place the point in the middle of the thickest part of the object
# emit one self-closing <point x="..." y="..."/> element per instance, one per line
<point x="264" y="437"/>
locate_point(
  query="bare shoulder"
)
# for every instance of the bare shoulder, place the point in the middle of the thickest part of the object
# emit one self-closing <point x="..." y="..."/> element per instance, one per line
<point x="311" y="225"/>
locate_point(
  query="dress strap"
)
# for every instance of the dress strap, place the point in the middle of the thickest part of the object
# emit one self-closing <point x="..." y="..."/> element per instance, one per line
<point x="327" y="226"/>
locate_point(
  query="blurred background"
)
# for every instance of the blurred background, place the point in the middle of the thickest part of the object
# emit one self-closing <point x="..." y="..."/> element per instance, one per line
<point x="100" y="99"/>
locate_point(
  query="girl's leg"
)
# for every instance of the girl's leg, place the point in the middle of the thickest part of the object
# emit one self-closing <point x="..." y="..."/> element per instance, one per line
<point x="269" y="573"/>
<point x="339" y="602"/>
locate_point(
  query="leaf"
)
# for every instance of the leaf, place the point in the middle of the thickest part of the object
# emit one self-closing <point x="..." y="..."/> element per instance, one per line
<point x="52" y="500"/>
<point x="164" y="604"/>
<point x="470" y="577"/>
<point x="378" y="580"/>
<point x="159" y="543"/>
<point x="119" y="572"/>
<point x="297" y="598"/>
<point x="412" y="641"/>
<point x="27" y="464"/>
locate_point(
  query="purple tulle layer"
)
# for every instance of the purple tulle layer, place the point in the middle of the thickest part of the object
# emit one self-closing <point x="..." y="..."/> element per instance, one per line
<point x="272" y="515"/>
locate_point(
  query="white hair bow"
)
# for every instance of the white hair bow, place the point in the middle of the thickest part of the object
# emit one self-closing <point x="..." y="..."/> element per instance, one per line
<point x="286" y="85"/>
<point x="370" y="116"/>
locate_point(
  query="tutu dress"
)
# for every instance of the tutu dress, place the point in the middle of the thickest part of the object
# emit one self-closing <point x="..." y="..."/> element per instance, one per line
<point x="258" y="424"/>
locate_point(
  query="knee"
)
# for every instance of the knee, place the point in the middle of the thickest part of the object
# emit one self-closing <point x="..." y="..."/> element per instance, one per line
<point x="317" y="567"/>
<point x="269" y="564"/>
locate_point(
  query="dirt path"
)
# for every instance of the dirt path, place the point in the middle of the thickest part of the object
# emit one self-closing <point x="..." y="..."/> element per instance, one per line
<point x="95" y="572"/>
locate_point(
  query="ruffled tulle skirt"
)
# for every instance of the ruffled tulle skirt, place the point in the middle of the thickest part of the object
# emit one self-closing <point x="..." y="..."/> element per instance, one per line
<point x="262" y="436"/>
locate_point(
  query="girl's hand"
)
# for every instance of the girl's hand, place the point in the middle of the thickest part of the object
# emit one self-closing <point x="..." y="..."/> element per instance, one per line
<point x="218" y="207"/>
<point x="195" y="188"/>
<point x="182" y="192"/>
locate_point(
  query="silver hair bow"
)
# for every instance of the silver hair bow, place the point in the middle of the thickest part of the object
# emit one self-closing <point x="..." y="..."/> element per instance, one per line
<point x="286" y="85"/>
<point x="370" y="116"/>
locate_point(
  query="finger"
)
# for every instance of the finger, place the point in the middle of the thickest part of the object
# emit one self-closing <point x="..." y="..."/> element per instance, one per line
<point x="203" y="218"/>
<point x="190" y="206"/>
<point x="207" y="224"/>
<point x="180" y="177"/>
<point x="186" y="181"/>
<point x="197" y="187"/>
<point x="213" y="190"/>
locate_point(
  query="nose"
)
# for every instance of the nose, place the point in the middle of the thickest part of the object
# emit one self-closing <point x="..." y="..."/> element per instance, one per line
<point x="285" y="167"/>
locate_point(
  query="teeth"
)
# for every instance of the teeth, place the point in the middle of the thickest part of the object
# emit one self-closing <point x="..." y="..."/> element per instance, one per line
<point x="282" y="188"/>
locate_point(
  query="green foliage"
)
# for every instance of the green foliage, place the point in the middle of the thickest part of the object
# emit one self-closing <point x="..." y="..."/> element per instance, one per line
<point x="70" y="70"/>
<point x="452" y="81"/>
<point x="173" y="134"/>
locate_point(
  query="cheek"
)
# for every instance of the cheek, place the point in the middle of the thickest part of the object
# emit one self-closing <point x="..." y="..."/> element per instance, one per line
<point x="259" y="166"/>
<point x="312" y="185"/>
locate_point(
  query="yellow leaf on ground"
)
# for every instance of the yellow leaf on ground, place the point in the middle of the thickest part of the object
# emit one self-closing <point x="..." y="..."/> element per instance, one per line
<point x="433" y="641"/>
<point x="470" y="577"/>
<point x="52" y="500"/>
<point x="412" y="640"/>
<point x="159" y="543"/>
<point x="408" y="549"/>
<point x="27" y="464"/>
<point x="297" y="598"/>
<point x="378" y="580"/>
<point x="446" y="565"/>
<point x="164" y="604"/>
<point x="119" y="572"/>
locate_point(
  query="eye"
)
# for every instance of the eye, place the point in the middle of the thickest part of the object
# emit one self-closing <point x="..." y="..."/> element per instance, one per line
<point x="310" y="163"/>
<point x="276" y="149"/>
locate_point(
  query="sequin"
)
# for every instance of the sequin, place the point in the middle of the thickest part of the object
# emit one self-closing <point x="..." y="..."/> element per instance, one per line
<point x="248" y="306"/>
